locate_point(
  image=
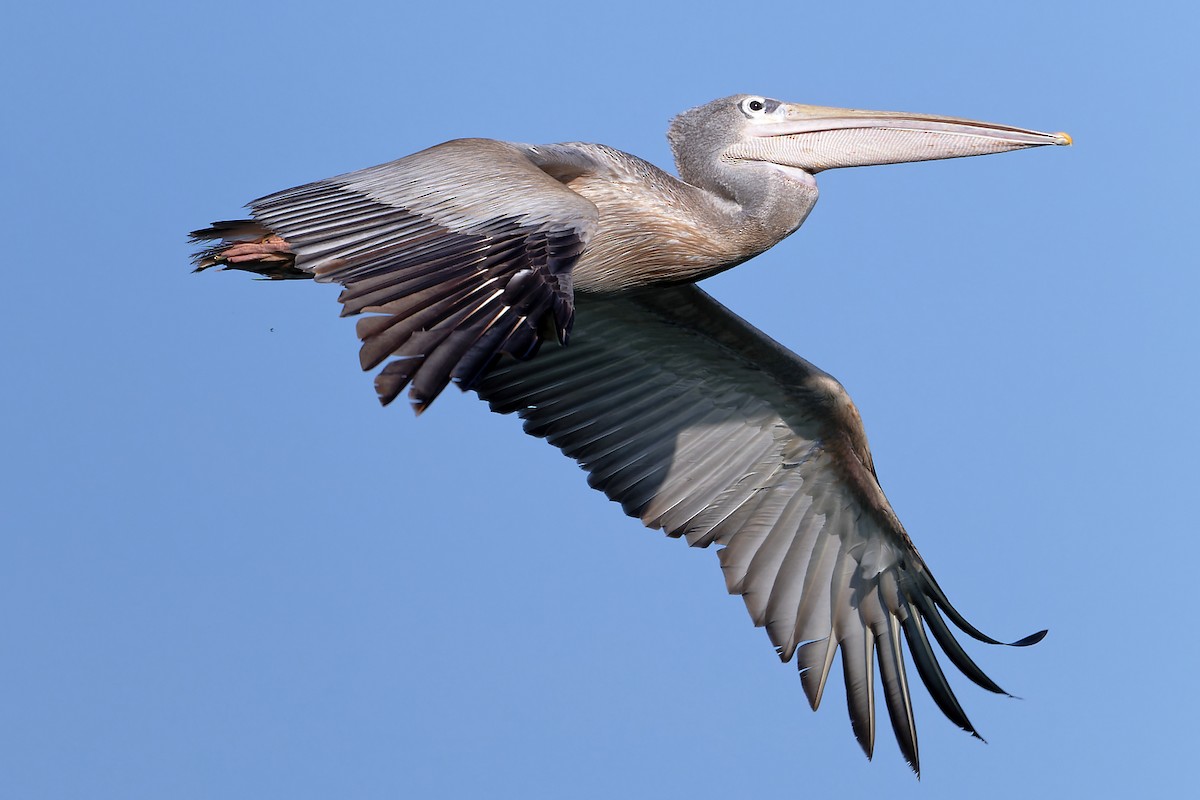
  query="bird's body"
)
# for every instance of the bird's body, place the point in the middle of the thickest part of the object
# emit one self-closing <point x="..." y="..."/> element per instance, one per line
<point x="471" y="254"/>
<point x="657" y="229"/>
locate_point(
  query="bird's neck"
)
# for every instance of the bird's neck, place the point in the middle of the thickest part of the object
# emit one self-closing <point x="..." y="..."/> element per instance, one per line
<point x="758" y="205"/>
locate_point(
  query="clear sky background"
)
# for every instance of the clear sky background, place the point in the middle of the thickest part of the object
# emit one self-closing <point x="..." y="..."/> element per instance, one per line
<point x="226" y="572"/>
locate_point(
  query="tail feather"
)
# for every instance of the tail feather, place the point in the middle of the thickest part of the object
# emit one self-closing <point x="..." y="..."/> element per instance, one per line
<point x="246" y="245"/>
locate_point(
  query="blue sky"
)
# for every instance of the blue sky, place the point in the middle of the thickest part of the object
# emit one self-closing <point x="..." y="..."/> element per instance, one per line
<point x="226" y="572"/>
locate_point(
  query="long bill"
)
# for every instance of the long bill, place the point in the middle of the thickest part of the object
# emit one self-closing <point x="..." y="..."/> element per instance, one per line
<point x="816" y="138"/>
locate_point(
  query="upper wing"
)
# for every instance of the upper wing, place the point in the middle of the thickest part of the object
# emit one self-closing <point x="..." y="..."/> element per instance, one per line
<point x="699" y="424"/>
<point x="466" y="250"/>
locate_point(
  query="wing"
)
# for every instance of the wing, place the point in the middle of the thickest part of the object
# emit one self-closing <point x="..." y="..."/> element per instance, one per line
<point x="697" y="423"/>
<point x="463" y="252"/>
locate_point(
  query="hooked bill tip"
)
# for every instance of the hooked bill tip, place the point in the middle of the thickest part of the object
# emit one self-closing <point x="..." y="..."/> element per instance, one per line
<point x="1064" y="138"/>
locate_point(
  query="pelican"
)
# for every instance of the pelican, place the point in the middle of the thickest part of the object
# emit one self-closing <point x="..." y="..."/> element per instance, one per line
<point x="467" y="257"/>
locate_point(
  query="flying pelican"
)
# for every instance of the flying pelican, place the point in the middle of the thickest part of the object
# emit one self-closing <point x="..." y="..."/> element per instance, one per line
<point x="468" y="256"/>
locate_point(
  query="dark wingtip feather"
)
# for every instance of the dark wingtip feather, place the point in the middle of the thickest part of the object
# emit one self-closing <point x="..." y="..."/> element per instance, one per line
<point x="939" y="597"/>
<point x="1032" y="638"/>
<point x="931" y="673"/>
<point x="957" y="655"/>
<point x="445" y="324"/>
<point x="392" y="379"/>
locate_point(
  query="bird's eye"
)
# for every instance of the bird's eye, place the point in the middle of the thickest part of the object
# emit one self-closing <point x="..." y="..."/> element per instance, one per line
<point x="755" y="106"/>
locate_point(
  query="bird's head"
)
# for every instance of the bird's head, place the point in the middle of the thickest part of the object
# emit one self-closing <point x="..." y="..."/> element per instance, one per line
<point x="802" y="140"/>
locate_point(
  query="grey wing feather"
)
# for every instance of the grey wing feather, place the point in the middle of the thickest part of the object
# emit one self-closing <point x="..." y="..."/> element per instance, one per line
<point x="465" y="249"/>
<point x="698" y="424"/>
